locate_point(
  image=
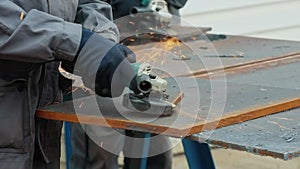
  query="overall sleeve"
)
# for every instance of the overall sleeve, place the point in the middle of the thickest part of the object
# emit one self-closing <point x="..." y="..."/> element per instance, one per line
<point x="96" y="16"/>
<point x="36" y="36"/>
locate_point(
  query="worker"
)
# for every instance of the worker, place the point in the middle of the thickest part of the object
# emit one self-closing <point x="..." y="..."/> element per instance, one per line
<point x="35" y="37"/>
<point x="99" y="151"/>
<point x="123" y="8"/>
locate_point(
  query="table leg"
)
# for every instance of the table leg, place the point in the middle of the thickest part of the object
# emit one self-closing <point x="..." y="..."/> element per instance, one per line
<point x="68" y="143"/>
<point x="140" y="163"/>
<point x="198" y="155"/>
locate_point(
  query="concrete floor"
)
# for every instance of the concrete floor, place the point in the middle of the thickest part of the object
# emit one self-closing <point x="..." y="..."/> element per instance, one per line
<point x="231" y="159"/>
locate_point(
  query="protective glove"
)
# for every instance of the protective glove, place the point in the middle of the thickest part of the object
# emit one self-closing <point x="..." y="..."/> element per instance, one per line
<point x="105" y="66"/>
<point x="115" y="71"/>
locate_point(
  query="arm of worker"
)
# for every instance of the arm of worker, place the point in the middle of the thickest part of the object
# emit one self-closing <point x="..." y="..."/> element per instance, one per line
<point x="177" y="3"/>
<point x="174" y="6"/>
<point x="36" y="36"/>
<point x="96" y="16"/>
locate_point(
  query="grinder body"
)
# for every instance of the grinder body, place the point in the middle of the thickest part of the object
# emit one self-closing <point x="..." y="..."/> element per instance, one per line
<point x="152" y="98"/>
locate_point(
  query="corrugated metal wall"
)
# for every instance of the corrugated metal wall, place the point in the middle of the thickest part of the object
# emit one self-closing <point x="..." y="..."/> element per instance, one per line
<point x="276" y="19"/>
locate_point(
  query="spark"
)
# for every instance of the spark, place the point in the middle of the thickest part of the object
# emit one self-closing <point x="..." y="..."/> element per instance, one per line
<point x="169" y="45"/>
<point x="81" y="104"/>
<point x="132" y="23"/>
<point x="74" y="89"/>
<point x="164" y="60"/>
<point x="263" y="89"/>
<point x="283" y="118"/>
<point x="279" y="125"/>
<point x="49" y="103"/>
<point x="149" y="35"/>
<point x="131" y="39"/>
<point x="182" y="56"/>
<point x="22" y="16"/>
<point x="85" y="89"/>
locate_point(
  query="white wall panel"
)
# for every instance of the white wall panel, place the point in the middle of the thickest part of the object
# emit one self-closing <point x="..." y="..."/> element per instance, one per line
<point x="204" y="6"/>
<point x="263" y="18"/>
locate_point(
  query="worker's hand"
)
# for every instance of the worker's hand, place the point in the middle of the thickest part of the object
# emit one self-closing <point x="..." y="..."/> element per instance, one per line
<point x="115" y="72"/>
<point x="129" y="54"/>
<point x="104" y="66"/>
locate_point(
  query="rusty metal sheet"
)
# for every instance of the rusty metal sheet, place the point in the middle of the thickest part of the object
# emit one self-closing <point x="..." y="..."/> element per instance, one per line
<point x="276" y="135"/>
<point x="212" y="52"/>
<point x="284" y="76"/>
<point x="249" y="95"/>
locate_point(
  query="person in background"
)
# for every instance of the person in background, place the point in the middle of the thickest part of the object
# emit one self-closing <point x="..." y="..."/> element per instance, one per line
<point x="122" y="8"/>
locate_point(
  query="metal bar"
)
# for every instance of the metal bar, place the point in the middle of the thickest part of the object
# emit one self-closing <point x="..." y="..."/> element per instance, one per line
<point x="198" y="155"/>
<point x="68" y="145"/>
<point x="145" y="152"/>
<point x="141" y="149"/>
<point x="68" y="133"/>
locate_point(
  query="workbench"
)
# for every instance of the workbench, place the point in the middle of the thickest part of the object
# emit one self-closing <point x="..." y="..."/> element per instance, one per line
<point x="233" y="87"/>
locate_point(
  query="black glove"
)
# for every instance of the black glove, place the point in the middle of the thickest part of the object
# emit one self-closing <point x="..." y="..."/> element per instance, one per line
<point x="177" y="3"/>
<point x="103" y="65"/>
<point x="115" y="72"/>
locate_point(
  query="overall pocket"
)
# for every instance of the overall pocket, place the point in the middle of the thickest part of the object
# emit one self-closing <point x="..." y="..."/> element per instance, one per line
<point x="14" y="109"/>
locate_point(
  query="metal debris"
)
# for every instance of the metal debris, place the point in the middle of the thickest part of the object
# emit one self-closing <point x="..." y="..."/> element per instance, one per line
<point x="132" y="23"/>
<point x="290" y="139"/>
<point x="81" y="104"/>
<point x="22" y="16"/>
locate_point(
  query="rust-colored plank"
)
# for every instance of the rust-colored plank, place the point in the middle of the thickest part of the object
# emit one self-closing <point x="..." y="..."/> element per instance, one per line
<point x="106" y="121"/>
<point x="227" y="120"/>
